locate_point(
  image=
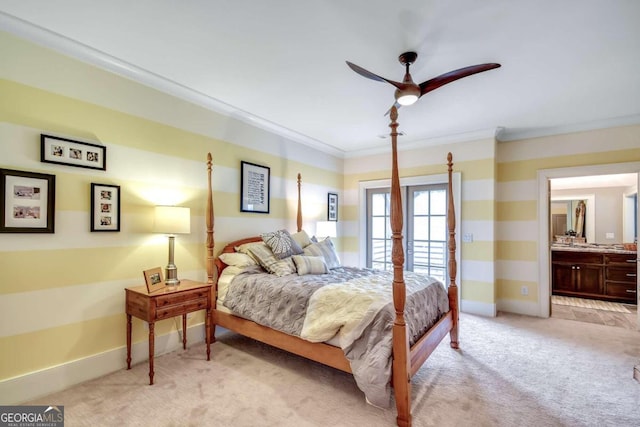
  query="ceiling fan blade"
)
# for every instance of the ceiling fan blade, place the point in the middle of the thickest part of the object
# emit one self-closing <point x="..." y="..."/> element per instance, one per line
<point x="454" y="75"/>
<point x="370" y="75"/>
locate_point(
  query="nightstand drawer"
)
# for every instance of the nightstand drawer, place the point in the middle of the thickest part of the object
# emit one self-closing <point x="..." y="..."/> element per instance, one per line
<point x="179" y="297"/>
<point x="180" y="309"/>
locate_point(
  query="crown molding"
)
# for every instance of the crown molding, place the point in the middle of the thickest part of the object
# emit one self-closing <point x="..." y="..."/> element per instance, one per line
<point x="102" y="60"/>
<point x="426" y="142"/>
<point x="505" y="134"/>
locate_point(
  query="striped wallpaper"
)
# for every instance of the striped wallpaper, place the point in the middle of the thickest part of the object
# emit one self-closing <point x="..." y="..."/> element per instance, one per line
<point x="62" y="294"/>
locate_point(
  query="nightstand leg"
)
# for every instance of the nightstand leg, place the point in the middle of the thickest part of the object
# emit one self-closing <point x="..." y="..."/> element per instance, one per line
<point x="207" y="333"/>
<point x="184" y="331"/>
<point x="151" y="350"/>
<point x="128" y="341"/>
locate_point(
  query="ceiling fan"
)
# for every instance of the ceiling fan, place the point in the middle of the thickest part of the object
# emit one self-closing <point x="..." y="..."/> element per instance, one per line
<point x="407" y="92"/>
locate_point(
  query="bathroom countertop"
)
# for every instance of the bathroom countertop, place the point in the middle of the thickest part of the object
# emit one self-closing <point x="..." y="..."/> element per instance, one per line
<point x="586" y="247"/>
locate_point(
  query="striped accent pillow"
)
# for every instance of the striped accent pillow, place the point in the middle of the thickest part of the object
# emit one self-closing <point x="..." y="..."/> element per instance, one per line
<point x="325" y="249"/>
<point x="268" y="261"/>
<point x="310" y="265"/>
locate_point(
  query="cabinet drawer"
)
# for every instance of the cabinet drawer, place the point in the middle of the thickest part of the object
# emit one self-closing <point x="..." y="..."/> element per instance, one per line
<point x="621" y="290"/>
<point x="180" y="309"/>
<point x="621" y="274"/>
<point x="629" y="259"/>
<point x="577" y="257"/>
<point x="178" y="297"/>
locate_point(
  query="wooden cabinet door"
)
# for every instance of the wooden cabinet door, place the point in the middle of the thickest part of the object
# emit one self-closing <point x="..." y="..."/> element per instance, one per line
<point x="562" y="277"/>
<point x="589" y="279"/>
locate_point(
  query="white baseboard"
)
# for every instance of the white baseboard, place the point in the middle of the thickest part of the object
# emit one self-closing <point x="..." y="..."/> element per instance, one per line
<point x="479" y="308"/>
<point x="519" y="307"/>
<point x="34" y="385"/>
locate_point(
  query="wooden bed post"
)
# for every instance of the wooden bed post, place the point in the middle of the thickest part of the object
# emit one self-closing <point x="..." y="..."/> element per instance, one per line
<point x="401" y="351"/>
<point x="299" y="218"/>
<point x="453" y="267"/>
<point x="210" y="244"/>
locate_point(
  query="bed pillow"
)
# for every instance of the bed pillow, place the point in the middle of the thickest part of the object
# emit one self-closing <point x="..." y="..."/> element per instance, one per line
<point x="281" y="244"/>
<point x="268" y="261"/>
<point x="325" y="249"/>
<point x="301" y="238"/>
<point x="237" y="259"/>
<point x="310" y="265"/>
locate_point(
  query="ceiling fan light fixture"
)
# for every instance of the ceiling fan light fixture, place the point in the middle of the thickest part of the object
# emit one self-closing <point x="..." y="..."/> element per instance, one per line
<point x="407" y="99"/>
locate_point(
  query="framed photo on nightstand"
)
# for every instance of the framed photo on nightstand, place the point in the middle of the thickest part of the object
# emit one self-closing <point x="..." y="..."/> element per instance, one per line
<point x="153" y="279"/>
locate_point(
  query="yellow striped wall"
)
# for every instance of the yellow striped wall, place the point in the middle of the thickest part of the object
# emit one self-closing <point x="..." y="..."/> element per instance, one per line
<point x="62" y="294"/>
<point x="475" y="161"/>
<point x="517" y="226"/>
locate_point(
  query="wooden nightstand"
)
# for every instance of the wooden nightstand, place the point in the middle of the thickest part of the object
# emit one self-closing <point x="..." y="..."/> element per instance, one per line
<point x="188" y="297"/>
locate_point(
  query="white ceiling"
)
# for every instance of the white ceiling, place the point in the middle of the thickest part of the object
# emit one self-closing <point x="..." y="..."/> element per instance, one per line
<point x="566" y="65"/>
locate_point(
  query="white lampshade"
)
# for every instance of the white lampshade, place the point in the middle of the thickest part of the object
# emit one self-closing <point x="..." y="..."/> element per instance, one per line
<point x="172" y="220"/>
<point x="326" y="229"/>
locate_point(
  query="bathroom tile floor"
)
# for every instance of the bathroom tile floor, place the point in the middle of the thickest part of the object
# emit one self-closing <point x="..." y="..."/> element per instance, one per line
<point x="601" y="317"/>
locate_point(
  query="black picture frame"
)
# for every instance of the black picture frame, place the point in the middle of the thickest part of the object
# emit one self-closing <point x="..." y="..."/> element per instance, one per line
<point x="105" y="207"/>
<point x="332" y="207"/>
<point x="255" y="187"/>
<point x="63" y="151"/>
<point x="27" y="202"/>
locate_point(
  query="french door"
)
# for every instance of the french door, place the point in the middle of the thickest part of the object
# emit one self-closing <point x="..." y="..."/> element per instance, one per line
<point x="425" y="229"/>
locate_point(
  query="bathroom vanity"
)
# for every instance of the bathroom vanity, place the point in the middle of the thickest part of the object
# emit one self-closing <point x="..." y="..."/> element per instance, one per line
<point x="594" y="271"/>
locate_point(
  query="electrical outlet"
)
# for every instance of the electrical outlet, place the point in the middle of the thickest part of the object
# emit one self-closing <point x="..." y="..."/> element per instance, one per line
<point x="467" y="237"/>
<point x="524" y="290"/>
<point x="610" y="236"/>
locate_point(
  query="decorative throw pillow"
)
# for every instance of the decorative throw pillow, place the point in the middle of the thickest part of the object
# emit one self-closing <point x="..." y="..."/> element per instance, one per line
<point x="310" y="265"/>
<point x="244" y="248"/>
<point x="237" y="259"/>
<point x="268" y="261"/>
<point x="301" y="238"/>
<point x="325" y="249"/>
<point x="281" y="244"/>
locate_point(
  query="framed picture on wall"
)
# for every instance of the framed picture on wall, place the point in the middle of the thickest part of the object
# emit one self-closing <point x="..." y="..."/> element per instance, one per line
<point x="64" y="151"/>
<point x="254" y="188"/>
<point x="27" y="202"/>
<point x="332" y="207"/>
<point x="105" y="207"/>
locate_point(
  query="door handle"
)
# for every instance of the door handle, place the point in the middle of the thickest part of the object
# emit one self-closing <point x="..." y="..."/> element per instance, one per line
<point x="632" y="275"/>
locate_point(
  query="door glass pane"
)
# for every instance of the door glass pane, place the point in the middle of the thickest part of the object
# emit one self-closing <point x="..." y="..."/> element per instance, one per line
<point x="378" y="204"/>
<point x="420" y="228"/>
<point x="379" y="227"/>
<point x="438" y="228"/>
<point x="438" y="202"/>
<point x="420" y="202"/>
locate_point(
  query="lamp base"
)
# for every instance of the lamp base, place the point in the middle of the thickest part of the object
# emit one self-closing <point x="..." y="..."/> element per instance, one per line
<point x="172" y="276"/>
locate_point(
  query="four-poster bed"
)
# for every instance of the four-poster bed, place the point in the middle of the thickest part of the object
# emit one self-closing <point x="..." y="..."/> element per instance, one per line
<point x="408" y="354"/>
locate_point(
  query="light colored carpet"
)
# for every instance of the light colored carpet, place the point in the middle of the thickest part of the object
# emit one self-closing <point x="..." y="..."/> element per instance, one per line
<point x="511" y="371"/>
<point x="589" y="303"/>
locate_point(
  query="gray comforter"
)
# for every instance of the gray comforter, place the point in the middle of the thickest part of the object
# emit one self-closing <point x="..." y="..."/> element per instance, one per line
<point x="282" y="303"/>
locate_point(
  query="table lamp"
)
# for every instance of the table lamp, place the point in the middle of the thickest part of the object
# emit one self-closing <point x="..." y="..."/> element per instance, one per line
<point x="172" y="220"/>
